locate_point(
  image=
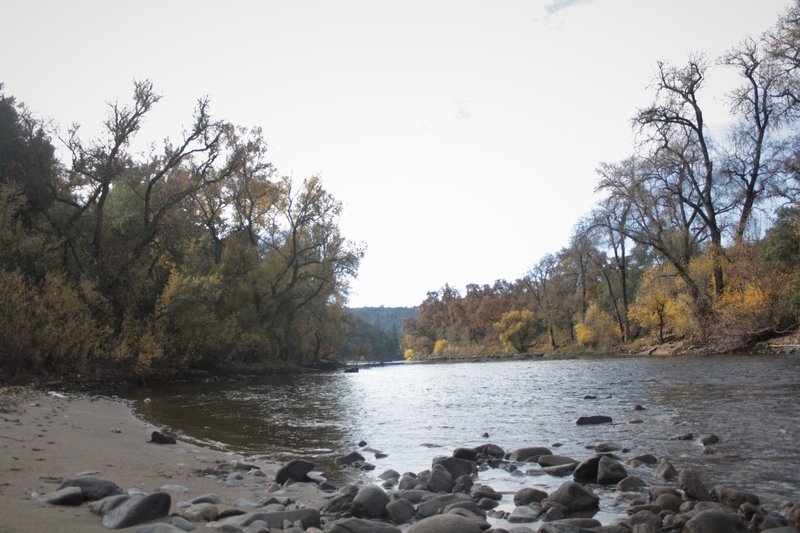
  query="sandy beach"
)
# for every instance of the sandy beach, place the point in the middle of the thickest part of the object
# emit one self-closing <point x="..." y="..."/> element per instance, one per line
<point x="44" y="439"/>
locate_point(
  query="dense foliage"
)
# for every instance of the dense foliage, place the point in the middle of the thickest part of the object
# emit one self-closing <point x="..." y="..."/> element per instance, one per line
<point x="193" y="256"/>
<point x="675" y="248"/>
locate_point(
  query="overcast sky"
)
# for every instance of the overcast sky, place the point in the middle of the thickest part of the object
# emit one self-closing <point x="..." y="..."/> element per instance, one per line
<point x="461" y="136"/>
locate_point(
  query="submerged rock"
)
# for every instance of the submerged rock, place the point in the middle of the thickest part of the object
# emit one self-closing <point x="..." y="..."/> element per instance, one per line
<point x="594" y="419"/>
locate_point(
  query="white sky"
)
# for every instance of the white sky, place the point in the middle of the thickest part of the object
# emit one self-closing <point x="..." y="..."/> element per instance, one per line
<point x="460" y="135"/>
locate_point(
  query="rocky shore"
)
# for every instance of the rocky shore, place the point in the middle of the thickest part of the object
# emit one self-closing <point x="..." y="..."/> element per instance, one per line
<point x="87" y="464"/>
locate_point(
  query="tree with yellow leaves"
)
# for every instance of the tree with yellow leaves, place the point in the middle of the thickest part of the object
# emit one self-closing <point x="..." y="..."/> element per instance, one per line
<point x="517" y="329"/>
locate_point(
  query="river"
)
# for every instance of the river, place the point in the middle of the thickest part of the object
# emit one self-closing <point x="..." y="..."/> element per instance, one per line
<point x="415" y="412"/>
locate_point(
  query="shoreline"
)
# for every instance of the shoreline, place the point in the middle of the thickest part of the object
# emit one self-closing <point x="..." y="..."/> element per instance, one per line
<point x="44" y="439"/>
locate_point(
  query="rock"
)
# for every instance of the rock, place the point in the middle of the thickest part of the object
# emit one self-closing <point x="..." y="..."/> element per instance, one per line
<point x="259" y="526"/>
<point x="407" y="482"/>
<point x="560" y="470"/>
<point x="456" y="467"/>
<point x="707" y="440"/>
<point x="668" y="501"/>
<point x="586" y="471"/>
<point x="92" y="488"/>
<point x="734" y="498"/>
<point x="665" y="470"/>
<point x="370" y="502"/>
<point x="162" y="528"/>
<point x="463" y="484"/>
<point x="594" y="419"/>
<point x="487" y="504"/>
<point x="440" y="479"/>
<point x="645" y="517"/>
<point x="341" y="501"/>
<point x="400" y="511"/>
<point x="437" y="504"/>
<point x="573" y="498"/>
<point x="610" y="472"/>
<point x="794" y="515"/>
<point x="631" y="421"/>
<point x="201" y="512"/>
<point x="692" y="484"/>
<point x="174" y="488"/>
<point x="309" y="517"/>
<point x="296" y="469"/>
<point x="467" y="454"/>
<point x="389" y="474"/>
<point x="638" y="407"/>
<point x="714" y="521"/>
<point x="524" y="513"/>
<point x="491" y="450"/>
<point x="529" y="455"/>
<point x="529" y="495"/>
<point x="137" y="509"/>
<point x="349" y="459"/>
<point x="644" y="459"/>
<point x="65" y="496"/>
<point x="157" y="437"/>
<point x="485" y="491"/>
<point x="555" y="460"/>
<point x="207" y="498"/>
<point x="466" y="508"/>
<point x="631" y="483"/>
<point x="607" y="447"/>
<point x="359" y="525"/>
<point x="182" y="523"/>
<point x="101" y="507"/>
<point x="570" y="525"/>
<point x="450" y="523"/>
<point x="685" y="436"/>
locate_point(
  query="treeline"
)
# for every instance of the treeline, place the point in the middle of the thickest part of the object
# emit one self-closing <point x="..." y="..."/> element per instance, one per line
<point x="374" y="333"/>
<point x="192" y="256"/>
<point x="696" y="236"/>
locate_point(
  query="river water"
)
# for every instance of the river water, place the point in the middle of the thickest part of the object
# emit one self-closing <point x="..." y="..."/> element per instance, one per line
<point x="415" y="412"/>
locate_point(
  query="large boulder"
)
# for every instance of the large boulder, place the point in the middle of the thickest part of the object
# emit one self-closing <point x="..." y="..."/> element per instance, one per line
<point x="586" y="471"/>
<point x="296" y="469"/>
<point x="714" y="521"/>
<point x="349" y="459"/>
<point x="92" y="488"/>
<point x="137" y="509"/>
<point x="529" y="455"/>
<point x="467" y="454"/>
<point x="437" y="504"/>
<point x="555" y="460"/>
<point x="573" y="497"/>
<point x="370" y="502"/>
<point x="456" y="467"/>
<point x="529" y="495"/>
<point x="490" y="450"/>
<point x="400" y="510"/>
<point x="570" y="525"/>
<point x="440" y="479"/>
<point x="609" y="471"/>
<point x="665" y="470"/>
<point x="450" y="523"/>
<point x="65" y="496"/>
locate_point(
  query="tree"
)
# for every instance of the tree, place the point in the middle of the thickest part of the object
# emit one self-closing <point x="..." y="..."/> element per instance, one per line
<point x="517" y="329"/>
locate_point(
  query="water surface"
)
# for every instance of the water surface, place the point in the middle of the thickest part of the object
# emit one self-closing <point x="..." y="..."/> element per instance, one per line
<point x="416" y="412"/>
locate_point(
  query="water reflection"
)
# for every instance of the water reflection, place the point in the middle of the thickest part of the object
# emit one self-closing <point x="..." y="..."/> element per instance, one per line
<point x="752" y="403"/>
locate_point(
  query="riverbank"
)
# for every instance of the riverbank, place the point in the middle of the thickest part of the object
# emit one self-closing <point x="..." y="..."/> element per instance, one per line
<point x="45" y="439"/>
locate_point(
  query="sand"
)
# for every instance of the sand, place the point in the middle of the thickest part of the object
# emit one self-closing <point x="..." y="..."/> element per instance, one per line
<point x="44" y="439"/>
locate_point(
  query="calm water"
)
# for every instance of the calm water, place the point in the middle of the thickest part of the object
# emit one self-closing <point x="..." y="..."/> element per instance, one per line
<point x="752" y="403"/>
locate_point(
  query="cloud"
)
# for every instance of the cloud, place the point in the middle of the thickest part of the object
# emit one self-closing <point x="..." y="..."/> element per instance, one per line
<point x="558" y="5"/>
<point x="463" y="114"/>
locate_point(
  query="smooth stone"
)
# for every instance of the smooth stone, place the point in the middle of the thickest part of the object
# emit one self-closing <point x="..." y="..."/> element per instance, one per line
<point x="665" y="470"/>
<point x="450" y="523"/>
<point x="138" y="509"/>
<point x="389" y="474"/>
<point x="668" y="501"/>
<point x="370" y="502"/>
<point x="524" y="513"/>
<point x="631" y="483"/>
<point x="707" y="440"/>
<point x="174" y="488"/>
<point x="456" y="467"/>
<point x="485" y="491"/>
<point x="181" y="523"/>
<point x="360" y="525"/>
<point x="440" y="479"/>
<point x="560" y="470"/>
<point x="555" y="460"/>
<point x="92" y="488"/>
<point x="610" y="472"/>
<point x="101" y="507"/>
<point x="65" y="496"/>
<point x="734" y="498"/>
<point x="528" y="495"/>
<point x="157" y="437"/>
<point x="467" y="454"/>
<point x="644" y="459"/>
<point x="437" y="504"/>
<point x="400" y="511"/>
<point x="529" y="455"/>
<point x="573" y="497"/>
<point x="205" y="512"/>
<point x="592" y="420"/>
<point x="714" y="521"/>
<point x="491" y="450"/>
<point x="586" y="471"/>
<point x="692" y="484"/>
<point x="349" y="459"/>
<point x="208" y="498"/>
<point x="296" y="469"/>
<point x="161" y="528"/>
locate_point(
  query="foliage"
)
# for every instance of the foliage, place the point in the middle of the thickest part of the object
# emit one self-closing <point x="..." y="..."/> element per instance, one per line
<point x="598" y="327"/>
<point x="517" y="329"/>
<point x="440" y="347"/>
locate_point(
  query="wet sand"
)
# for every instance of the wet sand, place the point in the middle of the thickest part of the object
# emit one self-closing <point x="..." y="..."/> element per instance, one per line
<point x="44" y="439"/>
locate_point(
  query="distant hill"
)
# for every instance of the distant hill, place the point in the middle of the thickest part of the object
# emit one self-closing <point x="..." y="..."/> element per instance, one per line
<point x="386" y="318"/>
<point x="374" y="333"/>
